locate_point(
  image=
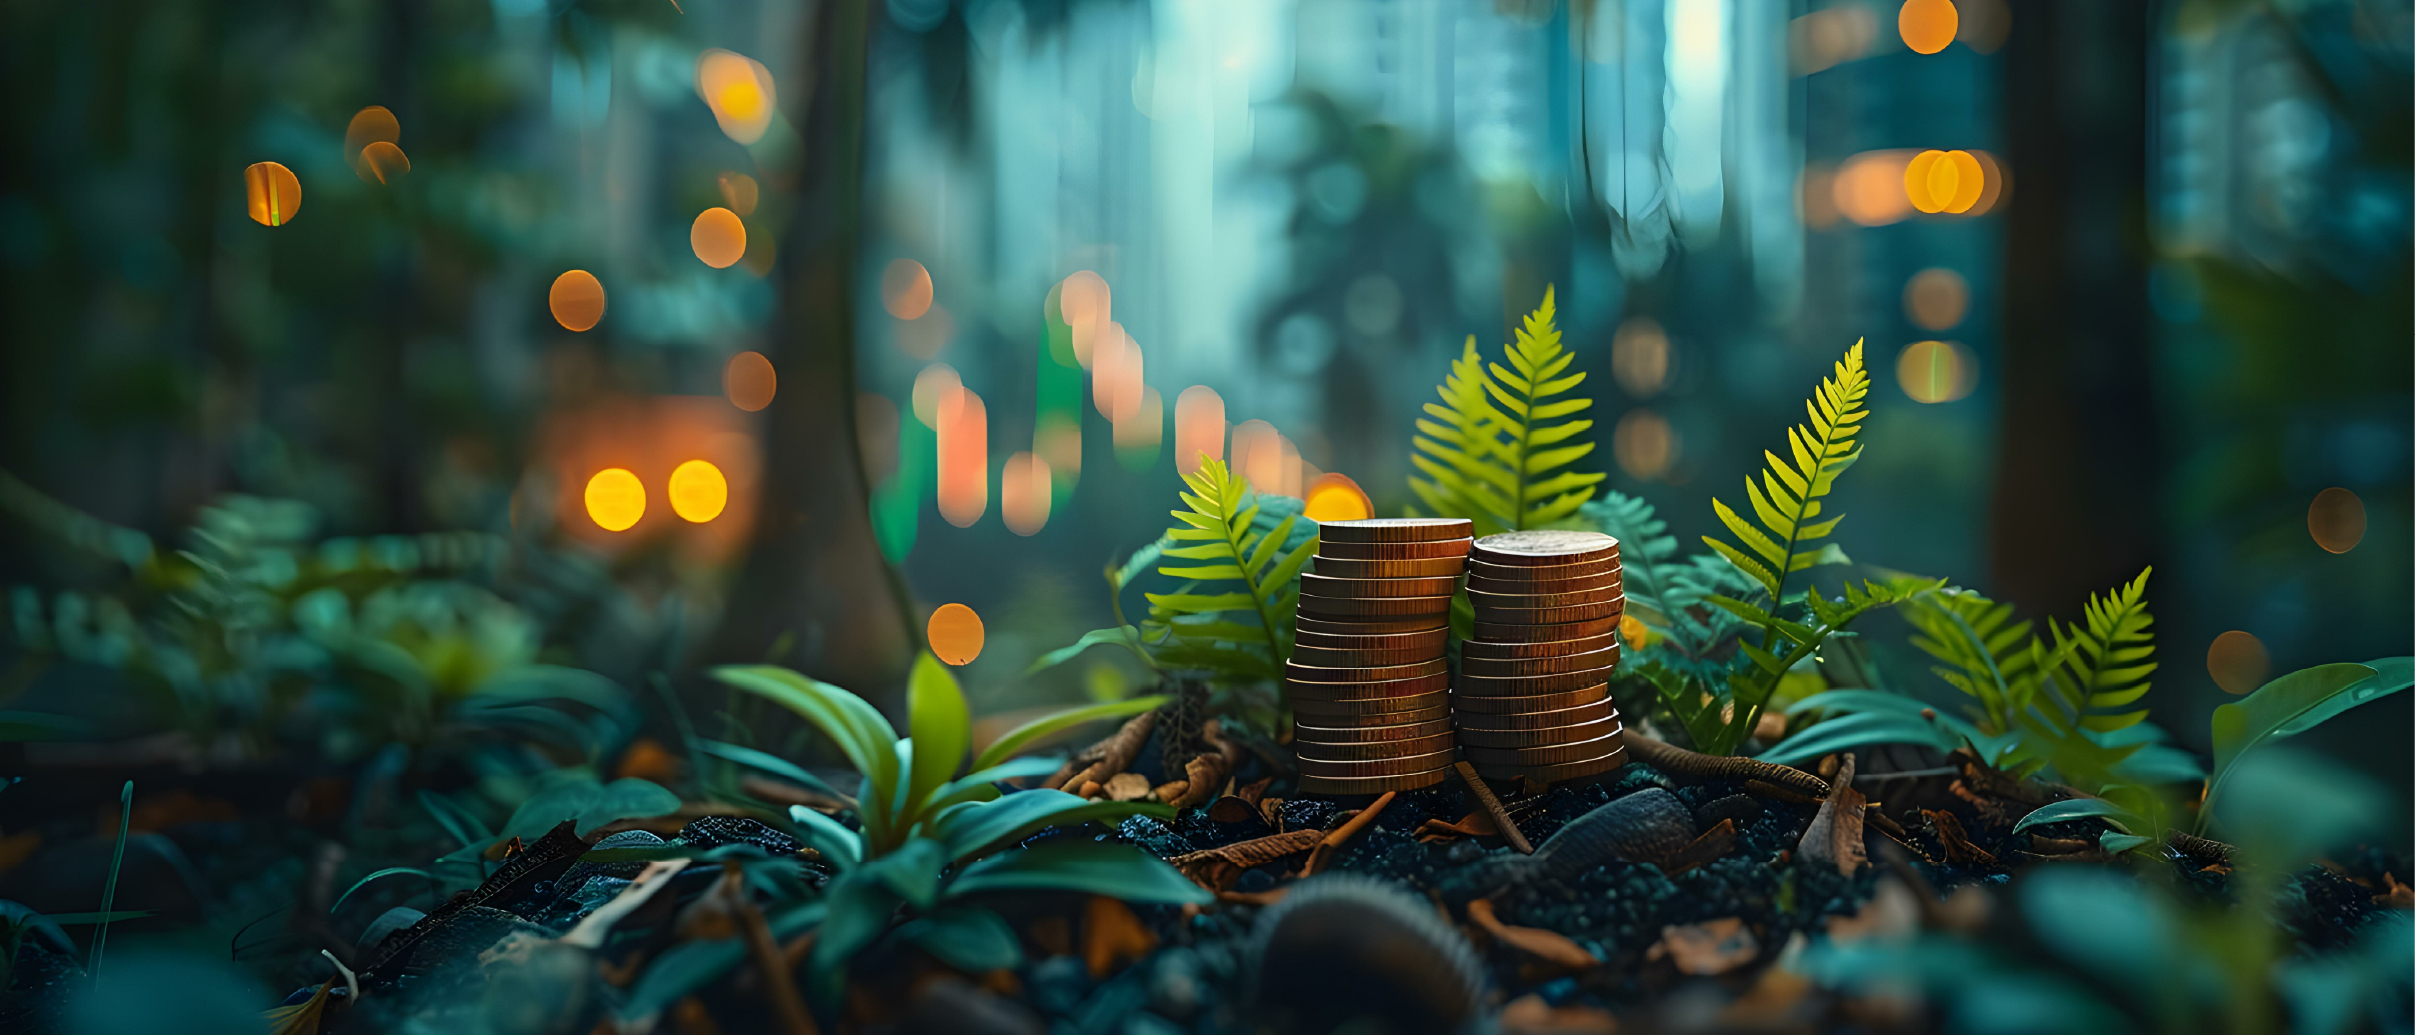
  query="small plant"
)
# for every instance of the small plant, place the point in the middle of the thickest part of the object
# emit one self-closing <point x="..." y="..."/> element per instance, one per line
<point x="1496" y="447"/>
<point x="934" y="833"/>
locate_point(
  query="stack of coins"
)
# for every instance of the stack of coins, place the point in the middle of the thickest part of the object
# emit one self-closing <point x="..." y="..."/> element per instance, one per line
<point x="1369" y="677"/>
<point x="1533" y="697"/>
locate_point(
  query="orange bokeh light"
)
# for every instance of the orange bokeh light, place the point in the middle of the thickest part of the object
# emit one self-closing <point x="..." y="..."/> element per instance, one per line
<point x="615" y="499"/>
<point x="1334" y="497"/>
<point x="2238" y="662"/>
<point x="1115" y="375"/>
<point x="930" y="387"/>
<point x="718" y="238"/>
<point x="370" y="125"/>
<point x="739" y="191"/>
<point x="1644" y="443"/>
<point x="905" y="289"/>
<point x="1936" y="298"/>
<point x="1869" y="188"/>
<point x="577" y="300"/>
<point x="1927" y="26"/>
<point x="383" y="163"/>
<point x="272" y="193"/>
<point x="1023" y="493"/>
<point x="955" y="633"/>
<point x="740" y="92"/>
<point x="749" y="381"/>
<point x="1198" y="427"/>
<point x="963" y="457"/>
<point x="1258" y="456"/>
<point x="1145" y="427"/>
<point x="2336" y="520"/>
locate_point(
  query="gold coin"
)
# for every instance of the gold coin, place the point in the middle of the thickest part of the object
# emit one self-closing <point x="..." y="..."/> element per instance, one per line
<point x="1537" y="601"/>
<point x="1330" y="586"/>
<point x="1330" y="657"/>
<point x="1511" y="722"/>
<point x="1543" y="546"/>
<point x="1373" y="625"/>
<point x="1378" y="766"/>
<point x="1523" y="572"/>
<point x="1395" y="530"/>
<point x="1352" y="786"/>
<point x="1309" y="750"/>
<point x="1602" y="659"/>
<point x="1374" y="607"/>
<point x="1503" y="740"/>
<point x="1606" y="580"/>
<point x="1470" y="650"/>
<point x="1468" y="705"/>
<point x="1316" y="734"/>
<point x="1559" y="773"/>
<point x="1296" y="672"/>
<point x="1366" y="691"/>
<point x="1342" y="551"/>
<point x="1528" y="686"/>
<point x="1379" y="711"/>
<point x="1409" y="569"/>
<point x="1434" y="639"/>
<point x="1547" y="632"/>
<point x="1567" y="615"/>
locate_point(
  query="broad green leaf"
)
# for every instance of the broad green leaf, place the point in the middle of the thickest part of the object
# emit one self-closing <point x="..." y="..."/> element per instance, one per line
<point x="366" y="881"/>
<point x="977" y="785"/>
<point x="828" y="836"/>
<point x="983" y="825"/>
<point x="2081" y="808"/>
<point x="1015" y="739"/>
<point x="968" y="938"/>
<point x="2390" y="675"/>
<point x="2115" y="843"/>
<point x="912" y="871"/>
<point x="1117" y="871"/>
<point x="942" y="726"/>
<point x="1123" y="634"/>
<point x="772" y="764"/>
<point x="687" y="967"/>
<point x="1860" y="730"/>
<point x="860" y="906"/>
<point x="2251" y="720"/>
<point x="456" y="820"/>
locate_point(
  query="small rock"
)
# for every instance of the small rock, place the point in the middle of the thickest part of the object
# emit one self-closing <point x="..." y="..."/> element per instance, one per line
<point x="1642" y="827"/>
<point x="1127" y="787"/>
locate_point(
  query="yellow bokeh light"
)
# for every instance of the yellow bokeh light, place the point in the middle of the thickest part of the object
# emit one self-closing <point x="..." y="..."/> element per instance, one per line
<point x="2238" y="662"/>
<point x="1970" y="183"/>
<point x="698" y="491"/>
<point x="739" y="90"/>
<point x="955" y="633"/>
<point x="1644" y="443"/>
<point x="718" y="238"/>
<point x="1936" y="298"/>
<point x="615" y="499"/>
<point x="1949" y="182"/>
<point x="749" y="381"/>
<point x="1927" y="26"/>
<point x="1334" y="497"/>
<point x="739" y="191"/>
<point x="905" y="289"/>
<point x="2336" y="520"/>
<point x="1633" y="634"/>
<point x="1936" y="371"/>
<point x="1919" y="180"/>
<point x="272" y="193"/>
<point x="576" y="299"/>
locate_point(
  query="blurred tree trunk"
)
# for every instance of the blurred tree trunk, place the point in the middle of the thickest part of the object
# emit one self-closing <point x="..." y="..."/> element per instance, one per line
<point x="2078" y="490"/>
<point x="814" y="574"/>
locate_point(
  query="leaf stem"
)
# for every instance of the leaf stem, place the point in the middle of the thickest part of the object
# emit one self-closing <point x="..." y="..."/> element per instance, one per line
<point x="117" y="861"/>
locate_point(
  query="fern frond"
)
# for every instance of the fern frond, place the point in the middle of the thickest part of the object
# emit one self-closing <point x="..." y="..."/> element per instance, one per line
<point x="1986" y="654"/>
<point x="1786" y="501"/>
<point x="1497" y="447"/>
<point x="2104" y="665"/>
<point x="1233" y="614"/>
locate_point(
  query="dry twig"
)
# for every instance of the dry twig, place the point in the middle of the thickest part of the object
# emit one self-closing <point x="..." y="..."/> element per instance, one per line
<point x="1669" y="758"/>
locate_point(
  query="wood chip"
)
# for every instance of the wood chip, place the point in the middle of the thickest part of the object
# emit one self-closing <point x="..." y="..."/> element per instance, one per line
<point x="2400" y="896"/>
<point x="1474" y="824"/>
<point x="1170" y="790"/>
<point x="1548" y="946"/>
<point x="1709" y="948"/>
<point x="1530" y="1015"/>
<point x="1253" y="898"/>
<point x="1255" y="792"/>
<point x="1341" y="835"/>
<point x="1127" y="787"/>
<point x="1216" y="869"/>
<point x="1712" y="845"/>
<point x="1835" y="835"/>
<point x="1958" y="846"/>
<point x="1112" y="936"/>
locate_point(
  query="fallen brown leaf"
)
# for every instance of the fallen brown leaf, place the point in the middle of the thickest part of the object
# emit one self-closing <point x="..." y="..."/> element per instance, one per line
<point x="1254" y="792"/>
<point x="1958" y="845"/>
<point x="1217" y="868"/>
<point x="1232" y="809"/>
<point x="1112" y="936"/>
<point x="1474" y="824"/>
<point x="1253" y="898"/>
<point x="1548" y="946"/>
<point x="1530" y="1015"/>
<point x="1712" y="845"/>
<point x="1127" y="787"/>
<point x="1709" y="948"/>
<point x="1171" y="790"/>
<point x="1835" y="835"/>
<point x="2400" y="896"/>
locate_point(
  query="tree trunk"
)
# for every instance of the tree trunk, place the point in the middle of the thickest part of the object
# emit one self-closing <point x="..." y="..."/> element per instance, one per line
<point x="2077" y="494"/>
<point x="814" y="576"/>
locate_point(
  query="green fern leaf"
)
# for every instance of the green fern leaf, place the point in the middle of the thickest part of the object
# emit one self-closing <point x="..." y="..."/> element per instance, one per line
<point x="1497" y="447"/>
<point x="2106" y="663"/>
<point x="1233" y="613"/>
<point x="1787" y="498"/>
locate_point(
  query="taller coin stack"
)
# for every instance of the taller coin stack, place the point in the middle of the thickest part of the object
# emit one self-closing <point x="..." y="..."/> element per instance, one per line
<point x="1533" y="695"/>
<point x="1369" y="679"/>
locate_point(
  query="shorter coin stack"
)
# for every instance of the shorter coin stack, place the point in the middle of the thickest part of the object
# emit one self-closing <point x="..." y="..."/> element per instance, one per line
<point x="1369" y="677"/>
<point x="1533" y="697"/>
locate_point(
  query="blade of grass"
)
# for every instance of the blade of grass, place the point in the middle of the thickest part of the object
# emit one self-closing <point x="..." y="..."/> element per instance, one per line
<point x="117" y="861"/>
